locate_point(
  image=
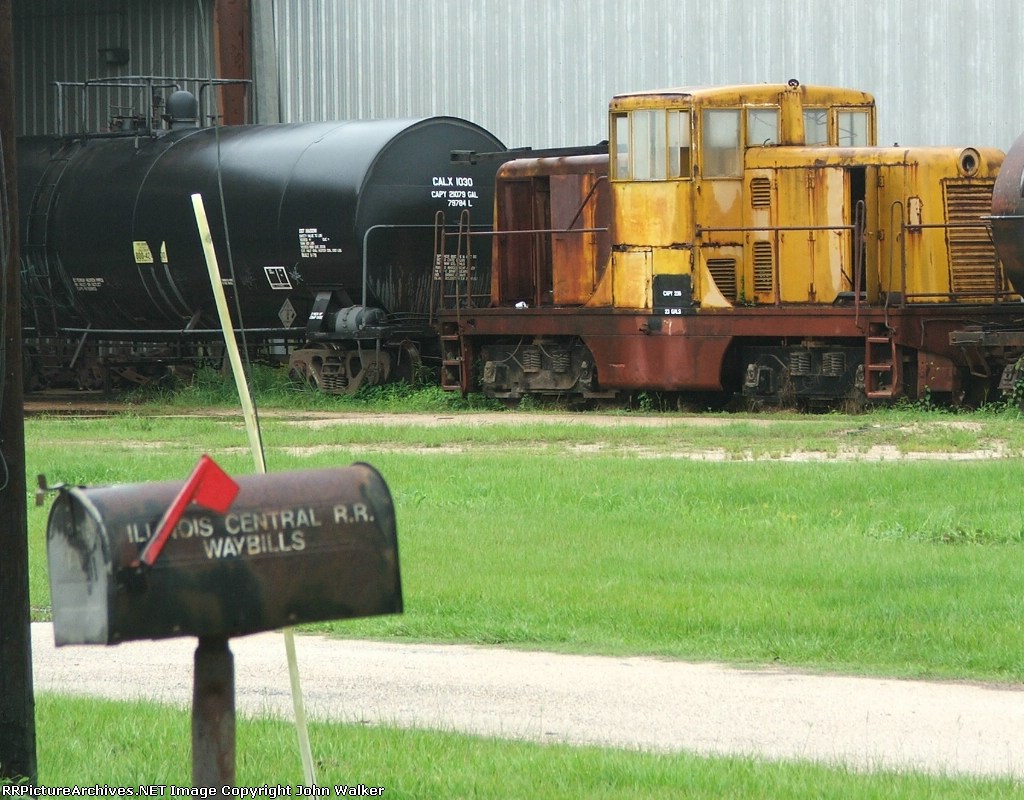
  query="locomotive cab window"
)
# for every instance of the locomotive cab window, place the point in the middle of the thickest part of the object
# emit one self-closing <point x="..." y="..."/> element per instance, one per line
<point x="853" y="128"/>
<point x="620" y="146"/>
<point x="722" y="157"/>
<point x="679" y="144"/>
<point x="651" y="145"/>
<point x="815" y="126"/>
<point x="762" y="126"/>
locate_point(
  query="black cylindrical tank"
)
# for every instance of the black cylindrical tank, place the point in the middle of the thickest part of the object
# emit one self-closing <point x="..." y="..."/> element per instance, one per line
<point x="108" y="223"/>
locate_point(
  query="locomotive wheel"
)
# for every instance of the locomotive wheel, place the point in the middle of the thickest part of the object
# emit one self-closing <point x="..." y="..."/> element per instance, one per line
<point x="32" y="378"/>
<point x="980" y="391"/>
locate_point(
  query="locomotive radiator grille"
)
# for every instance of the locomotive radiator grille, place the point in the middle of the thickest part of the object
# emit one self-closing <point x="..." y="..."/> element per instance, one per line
<point x="763" y="268"/>
<point x="973" y="266"/>
<point x="760" y="192"/>
<point x="723" y="270"/>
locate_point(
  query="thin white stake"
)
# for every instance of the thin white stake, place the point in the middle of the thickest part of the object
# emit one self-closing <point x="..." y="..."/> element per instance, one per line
<point x="256" y="445"/>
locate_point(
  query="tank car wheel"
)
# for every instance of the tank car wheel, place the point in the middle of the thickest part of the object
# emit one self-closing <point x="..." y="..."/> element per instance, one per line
<point x="92" y="376"/>
<point x="303" y="375"/>
<point x="408" y="365"/>
<point x="297" y="373"/>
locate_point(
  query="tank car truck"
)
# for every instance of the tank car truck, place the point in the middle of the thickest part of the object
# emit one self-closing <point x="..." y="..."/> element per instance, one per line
<point x="740" y="241"/>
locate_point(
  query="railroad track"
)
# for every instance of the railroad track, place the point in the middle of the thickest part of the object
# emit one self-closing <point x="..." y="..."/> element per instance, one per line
<point x="73" y="403"/>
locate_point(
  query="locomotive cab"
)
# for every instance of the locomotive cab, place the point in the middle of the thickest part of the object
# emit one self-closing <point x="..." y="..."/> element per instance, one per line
<point x="702" y="216"/>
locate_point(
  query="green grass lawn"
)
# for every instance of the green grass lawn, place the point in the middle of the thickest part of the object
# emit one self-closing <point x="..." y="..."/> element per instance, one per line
<point x="136" y="744"/>
<point x="584" y="538"/>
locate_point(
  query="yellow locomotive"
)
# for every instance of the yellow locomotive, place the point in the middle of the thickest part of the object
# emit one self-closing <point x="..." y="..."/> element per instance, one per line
<point x="739" y="240"/>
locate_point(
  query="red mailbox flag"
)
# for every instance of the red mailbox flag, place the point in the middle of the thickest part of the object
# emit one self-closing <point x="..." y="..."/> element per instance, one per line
<point x="208" y="486"/>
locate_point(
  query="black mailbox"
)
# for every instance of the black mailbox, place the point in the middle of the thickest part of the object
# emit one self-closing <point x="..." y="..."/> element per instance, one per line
<point x="294" y="547"/>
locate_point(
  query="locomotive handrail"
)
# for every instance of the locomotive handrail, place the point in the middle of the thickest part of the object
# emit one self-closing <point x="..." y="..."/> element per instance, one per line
<point x="967" y="293"/>
<point x="859" y="226"/>
<point x="945" y="225"/>
<point x="537" y="230"/>
<point x="897" y="207"/>
<point x="701" y="229"/>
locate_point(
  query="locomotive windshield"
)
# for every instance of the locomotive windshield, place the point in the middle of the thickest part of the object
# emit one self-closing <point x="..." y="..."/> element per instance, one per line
<point x="853" y="128"/>
<point x="654" y="135"/>
<point x="762" y="126"/>
<point x="652" y="144"/>
<point x="815" y="126"/>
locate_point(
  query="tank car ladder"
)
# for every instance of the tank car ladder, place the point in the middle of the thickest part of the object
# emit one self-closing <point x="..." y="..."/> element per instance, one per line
<point x="881" y="365"/>
<point x="450" y="297"/>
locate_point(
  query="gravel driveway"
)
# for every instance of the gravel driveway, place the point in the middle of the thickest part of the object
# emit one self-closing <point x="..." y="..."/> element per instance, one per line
<point x="866" y="723"/>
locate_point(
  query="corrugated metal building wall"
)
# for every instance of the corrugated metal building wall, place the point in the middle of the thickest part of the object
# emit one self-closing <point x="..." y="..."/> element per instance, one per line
<point x="61" y="40"/>
<point x="539" y="72"/>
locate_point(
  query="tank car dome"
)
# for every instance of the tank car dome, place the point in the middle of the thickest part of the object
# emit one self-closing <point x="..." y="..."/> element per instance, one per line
<point x="183" y="109"/>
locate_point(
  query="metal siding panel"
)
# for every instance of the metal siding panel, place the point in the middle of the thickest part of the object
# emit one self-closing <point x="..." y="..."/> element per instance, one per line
<point x="541" y="73"/>
<point x="59" y="40"/>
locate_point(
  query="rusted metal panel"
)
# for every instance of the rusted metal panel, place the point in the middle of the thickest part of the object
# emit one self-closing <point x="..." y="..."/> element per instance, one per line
<point x="232" y="26"/>
<point x="551" y="240"/>
<point x="935" y="373"/>
<point x="294" y="547"/>
<point x="579" y="203"/>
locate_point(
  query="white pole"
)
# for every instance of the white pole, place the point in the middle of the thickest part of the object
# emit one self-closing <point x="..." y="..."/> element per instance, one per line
<point x="256" y="445"/>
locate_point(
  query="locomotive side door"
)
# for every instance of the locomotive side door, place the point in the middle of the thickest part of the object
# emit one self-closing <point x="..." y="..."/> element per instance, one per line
<point x="857" y="211"/>
<point x="522" y="260"/>
<point x="815" y="243"/>
<point x="718" y="206"/>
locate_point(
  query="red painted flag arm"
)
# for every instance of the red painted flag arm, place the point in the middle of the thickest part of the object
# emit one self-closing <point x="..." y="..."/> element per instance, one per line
<point x="209" y="486"/>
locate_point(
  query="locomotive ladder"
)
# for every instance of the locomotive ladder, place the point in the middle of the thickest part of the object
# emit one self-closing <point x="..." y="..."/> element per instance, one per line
<point x="451" y="357"/>
<point x="881" y="367"/>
